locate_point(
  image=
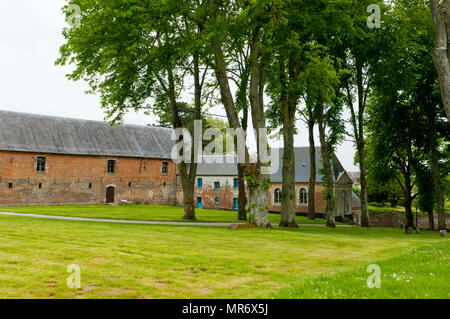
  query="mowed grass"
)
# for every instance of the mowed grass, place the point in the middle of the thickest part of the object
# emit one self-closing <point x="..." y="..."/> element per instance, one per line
<point x="399" y="209"/>
<point x="147" y="261"/>
<point x="142" y="212"/>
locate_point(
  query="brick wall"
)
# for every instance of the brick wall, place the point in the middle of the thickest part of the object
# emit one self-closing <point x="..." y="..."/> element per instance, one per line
<point x="320" y="204"/>
<point x="227" y="193"/>
<point x="67" y="180"/>
<point x="208" y="194"/>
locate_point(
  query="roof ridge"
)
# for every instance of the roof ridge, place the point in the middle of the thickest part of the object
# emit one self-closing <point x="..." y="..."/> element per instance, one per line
<point x="81" y="120"/>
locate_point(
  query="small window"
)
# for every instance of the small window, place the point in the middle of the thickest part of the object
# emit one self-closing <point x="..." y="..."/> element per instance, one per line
<point x="217" y="200"/>
<point x="111" y="166"/>
<point x="41" y="162"/>
<point x="164" y="184"/>
<point x="199" y="182"/>
<point x="165" y="168"/>
<point x="90" y="185"/>
<point x="303" y="197"/>
<point x="216" y="185"/>
<point x="236" y="183"/>
<point x="40" y="185"/>
<point x="129" y="184"/>
<point x="10" y="185"/>
<point x="277" y="196"/>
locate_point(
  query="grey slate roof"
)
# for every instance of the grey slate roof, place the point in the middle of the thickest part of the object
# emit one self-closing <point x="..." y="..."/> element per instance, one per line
<point x="302" y="165"/>
<point x="47" y="134"/>
<point x="216" y="169"/>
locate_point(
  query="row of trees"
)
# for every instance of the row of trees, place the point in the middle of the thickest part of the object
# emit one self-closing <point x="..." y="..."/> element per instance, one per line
<point x="310" y="59"/>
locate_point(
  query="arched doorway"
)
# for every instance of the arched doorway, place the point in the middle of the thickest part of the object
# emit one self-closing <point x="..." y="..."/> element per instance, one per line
<point x="110" y="195"/>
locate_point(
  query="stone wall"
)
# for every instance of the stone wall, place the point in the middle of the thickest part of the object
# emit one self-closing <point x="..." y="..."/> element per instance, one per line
<point x="397" y="219"/>
<point x="73" y="179"/>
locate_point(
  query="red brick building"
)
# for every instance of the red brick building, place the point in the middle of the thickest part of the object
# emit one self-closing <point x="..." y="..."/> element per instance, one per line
<point x="217" y="186"/>
<point x="50" y="161"/>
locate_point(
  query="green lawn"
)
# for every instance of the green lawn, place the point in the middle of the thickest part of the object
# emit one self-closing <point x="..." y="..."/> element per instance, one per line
<point x="381" y="208"/>
<point x="398" y="209"/>
<point x="142" y="261"/>
<point x="142" y="212"/>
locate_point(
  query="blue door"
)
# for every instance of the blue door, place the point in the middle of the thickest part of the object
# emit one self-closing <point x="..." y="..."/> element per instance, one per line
<point x="199" y="202"/>
<point x="235" y="204"/>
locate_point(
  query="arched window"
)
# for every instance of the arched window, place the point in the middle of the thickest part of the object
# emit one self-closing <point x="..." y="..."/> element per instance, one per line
<point x="303" y="196"/>
<point x="277" y="196"/>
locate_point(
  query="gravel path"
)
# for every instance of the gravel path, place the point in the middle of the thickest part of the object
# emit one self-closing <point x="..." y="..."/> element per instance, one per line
<point x="139" y="222"/>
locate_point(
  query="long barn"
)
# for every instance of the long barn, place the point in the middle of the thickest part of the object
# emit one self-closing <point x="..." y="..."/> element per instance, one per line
<point x="46" y="160"/>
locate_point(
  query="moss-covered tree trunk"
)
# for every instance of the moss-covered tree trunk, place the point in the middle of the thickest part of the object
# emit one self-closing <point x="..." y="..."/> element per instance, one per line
<point x="258" y="185"/>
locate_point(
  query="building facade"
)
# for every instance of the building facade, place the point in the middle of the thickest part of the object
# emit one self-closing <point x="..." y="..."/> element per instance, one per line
<point x="53" y="161"/>
<point x="48" y="160"/>
<point x="217" y="186"/>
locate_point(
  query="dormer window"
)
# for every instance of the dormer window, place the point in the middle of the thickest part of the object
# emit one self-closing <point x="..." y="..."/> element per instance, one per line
<point x="41" y="162"/>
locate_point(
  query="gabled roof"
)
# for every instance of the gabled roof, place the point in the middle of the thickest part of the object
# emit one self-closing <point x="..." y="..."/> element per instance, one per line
<point x="24" y="132"/>
<point x="344" y="179"/>
<point x="303" y="164"/>
<point x="302" y="167"/>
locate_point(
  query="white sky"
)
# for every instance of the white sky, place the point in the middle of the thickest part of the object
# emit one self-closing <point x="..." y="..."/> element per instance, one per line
<point x="30" y="37"/>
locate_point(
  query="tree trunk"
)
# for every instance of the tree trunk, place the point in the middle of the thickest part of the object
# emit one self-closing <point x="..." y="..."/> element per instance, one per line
<point x="242" y="197"/>
<point x="288" y="218"/>
<point x="258" y="196"/>
<point x="188" y="193"/>
<point x="312" y="172"/>
<point x="441" y="55"/>
<point x="329" y="194"/>
<point x="431" y="219"/>
<point x="363" y="197"/>
<point x="187" y="179"/>
<point x="358" y="128"/>
<point x="259" y="183"/>
<point x="436" y="175"/>
<point x="242" y="214"/>
<point x="408" y="204"/>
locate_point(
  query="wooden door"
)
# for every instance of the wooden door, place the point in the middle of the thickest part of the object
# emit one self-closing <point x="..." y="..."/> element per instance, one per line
<point x="110" y="195"/>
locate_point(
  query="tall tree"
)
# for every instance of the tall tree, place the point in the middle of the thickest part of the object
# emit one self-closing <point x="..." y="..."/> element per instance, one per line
<point x="257" y="15"/>
<point x="311" y="121"/>
<point x="426" y="199"/>
<point x="131" y="52"/>
<point x="406" y="100"/>
<point x="441" y="55"/>
<point x="321" y="87"/>
<point x="359" y="51"/>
